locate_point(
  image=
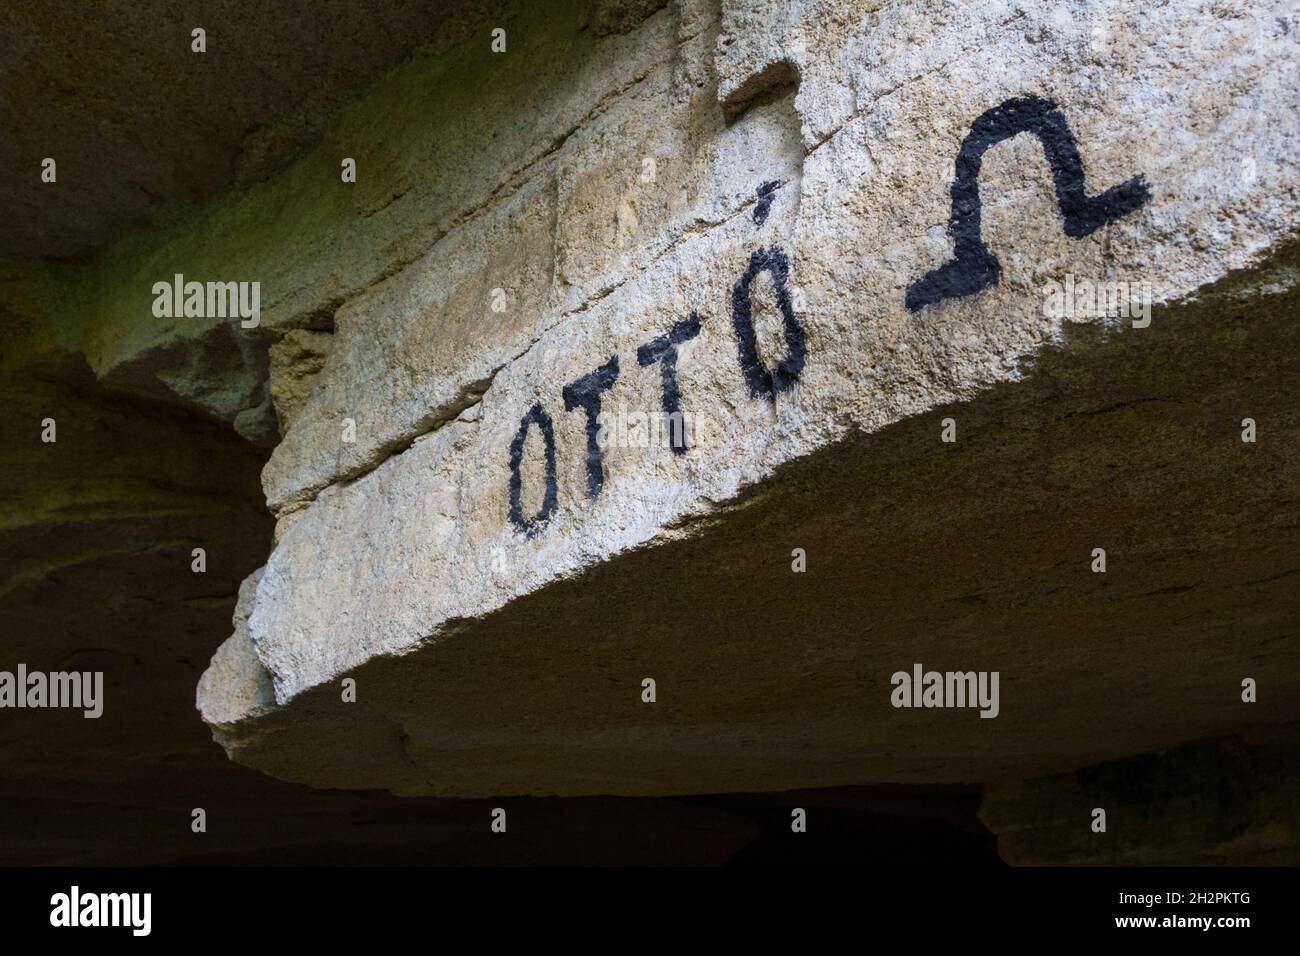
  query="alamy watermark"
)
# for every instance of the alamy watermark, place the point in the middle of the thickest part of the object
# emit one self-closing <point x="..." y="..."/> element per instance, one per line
<point x="208" y="300"/>
<point x="922" y="688"/>
<point x="37" y="689"/>
<point x="1083" y="299"/>
<point x="636" y="428"/>
<point x="75" y="909"/>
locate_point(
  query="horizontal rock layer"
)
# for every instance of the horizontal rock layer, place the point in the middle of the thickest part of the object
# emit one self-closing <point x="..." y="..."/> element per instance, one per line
<point x="754" y="215"/>
<point x="970" y="556"/>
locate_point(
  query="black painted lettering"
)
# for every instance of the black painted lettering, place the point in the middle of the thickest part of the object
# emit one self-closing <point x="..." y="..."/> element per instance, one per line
<point x="585" y="394"/>
<point x="761" y="381"/>
<point x="765" y="193"/>
<point x="664" y="351"/>
<point x="973" y="267"/>
<point x="530" y="526"/>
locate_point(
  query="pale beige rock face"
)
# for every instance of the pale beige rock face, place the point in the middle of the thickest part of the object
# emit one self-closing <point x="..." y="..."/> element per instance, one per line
<point x="242" y="685"/>
<point x="296" y="361"/>
<point x="438" y="141"/>
<point x="643" y="210"/>
<point x="619" y="193"/>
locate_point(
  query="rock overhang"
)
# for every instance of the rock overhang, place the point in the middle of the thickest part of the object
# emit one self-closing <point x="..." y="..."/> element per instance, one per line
<point x="974" y="555"/>
<point x="401" y="551"/>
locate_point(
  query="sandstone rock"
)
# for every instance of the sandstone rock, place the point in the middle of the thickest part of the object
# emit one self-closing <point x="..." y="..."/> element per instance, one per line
<point x="974" y="555"/>
<point x="619" y="16"/>
<point x="828" y="234"/>
<point x="245" y="686"/>
<point x="295" y="364"/>
<point x="754" y="50"/>
<point x="313" y="241"/>
<point x="499" y="583"/>
<point x="419" y="347"/>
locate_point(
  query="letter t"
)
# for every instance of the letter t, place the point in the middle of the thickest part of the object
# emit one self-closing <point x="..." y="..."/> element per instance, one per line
<point x="664" y="351"/>
<point x="585" y="393"/>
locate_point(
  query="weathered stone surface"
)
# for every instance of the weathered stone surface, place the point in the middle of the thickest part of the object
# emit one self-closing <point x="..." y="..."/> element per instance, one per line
<point x="417" y="348"/>
<point x="428" y="342"/>
<point x="619" y="16"/>
<point x="734" y="207"/>
<point x="413" y="568"/>
<point x="755" y="50"/>
<point x="295" y="364"/>
<point x="235" y="669"/>
<point x="313" y="241"/>
<point x="968" y="556"/>
<point x="309" y="239"/>
<point x="606" y="204"/>
<point x="95" y="573"/>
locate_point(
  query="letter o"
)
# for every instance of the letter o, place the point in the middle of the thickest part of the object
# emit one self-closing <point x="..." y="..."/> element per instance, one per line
<point x="761" y="381"/>
<point x="531" y="526"/>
